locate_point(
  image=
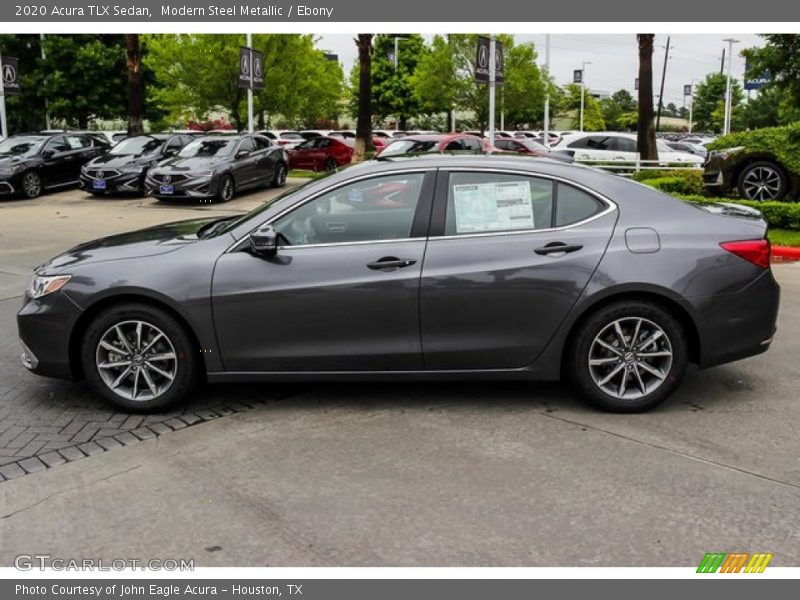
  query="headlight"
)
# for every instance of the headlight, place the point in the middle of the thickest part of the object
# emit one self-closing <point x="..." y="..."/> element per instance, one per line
<point x="42" y="286"/>
<point x="8" y="172"/>
<point x="726" y="152"/>
<point x="202" y="174"/>
<point x="132" y="170"/>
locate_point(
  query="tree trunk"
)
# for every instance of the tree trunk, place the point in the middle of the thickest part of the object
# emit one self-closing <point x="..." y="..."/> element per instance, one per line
<point x="135" y="85"/>
<point x="646" y="138"/>
<point x="364" y="123"/>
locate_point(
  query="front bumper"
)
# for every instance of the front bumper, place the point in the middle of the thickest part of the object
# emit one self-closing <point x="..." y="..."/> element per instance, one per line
<point x="7" y="187"/>
<point x="45" y="328"/>
<point x="183" y="186"/>
<point x="735" y="326"/>
<point x="111" y="182"/>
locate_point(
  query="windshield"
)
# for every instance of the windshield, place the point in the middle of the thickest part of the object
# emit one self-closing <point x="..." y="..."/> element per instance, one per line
<point x="136" y="146"/>
<point x="206" y="148"/>
<point x="409" y="147"/>
<point x="17" y="146"/>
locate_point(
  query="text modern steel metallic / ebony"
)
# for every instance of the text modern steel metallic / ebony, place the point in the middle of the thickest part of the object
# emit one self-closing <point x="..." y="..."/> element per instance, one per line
<point x="439" y="267"/>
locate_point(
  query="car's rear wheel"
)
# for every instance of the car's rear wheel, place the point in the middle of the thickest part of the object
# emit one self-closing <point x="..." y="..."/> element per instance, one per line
<point x="763" y="180"/>
<point x="628" y="356"/>
<point x="31" y="184"/>
<point x="139" y="357"/>
<point x="279" y="180"/>
<point x="330" y="165"/>
<point x="226" y="189"/>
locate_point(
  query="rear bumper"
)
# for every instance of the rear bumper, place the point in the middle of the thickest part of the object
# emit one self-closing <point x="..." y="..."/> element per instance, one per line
<point x="735" y="326"/>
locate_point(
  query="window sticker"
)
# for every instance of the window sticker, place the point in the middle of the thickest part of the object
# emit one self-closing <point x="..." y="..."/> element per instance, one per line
<point x="494" y="206"/>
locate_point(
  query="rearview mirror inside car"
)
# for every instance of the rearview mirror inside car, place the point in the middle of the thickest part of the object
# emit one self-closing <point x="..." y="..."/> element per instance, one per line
<point x="264" y="241"/>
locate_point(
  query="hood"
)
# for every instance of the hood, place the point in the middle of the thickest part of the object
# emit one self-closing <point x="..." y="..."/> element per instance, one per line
<point x="109" y="161"/>
<point x="197" y="163"/>
<point x="9" y="162"/>
<point x="134" y="244"/>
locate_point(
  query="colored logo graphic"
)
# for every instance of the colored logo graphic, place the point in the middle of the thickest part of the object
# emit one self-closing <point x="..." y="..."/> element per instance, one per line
<point x="735" y="562"/>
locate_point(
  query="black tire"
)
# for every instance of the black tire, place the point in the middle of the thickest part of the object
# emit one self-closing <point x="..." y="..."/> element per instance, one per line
<point x="31" y="184"/>
<point x="279" y="179"/>
<point x="330" y="165"/>
<point x="226" y="189"/>
<point x="585" y="345"/>
<point x="185" y="364"/>
<point x="763" y="180"/>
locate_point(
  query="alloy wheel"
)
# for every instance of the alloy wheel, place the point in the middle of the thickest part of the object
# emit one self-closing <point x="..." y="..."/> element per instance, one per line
<point x="136" y="360"/>
<point x="32" y="184"/>
<point x="762" y="183"/>
<point x="227" y="189"/>
<point x="630" y="358"/>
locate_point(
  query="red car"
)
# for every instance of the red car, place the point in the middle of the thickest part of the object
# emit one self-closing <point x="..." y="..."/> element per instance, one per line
<point x="321" y="154"/>
<point x="436" y="143"/>
<point x="521" y="146"/>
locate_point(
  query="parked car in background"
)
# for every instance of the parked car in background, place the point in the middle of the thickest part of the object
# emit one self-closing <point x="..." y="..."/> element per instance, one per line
<point x="33" y="163"/>
<point x="758" y="165"/>
<point x="217" y="167"/>
<point x="521" y="146"/>
<point x="618" y="147"/>
<point x="379" y="142"/>
<point x="491" y="267"/>
<point x="283" y="137"/>
<point x="432" y="143"/>
<point x="122" y="169"/>
<point x="321" y="154"/>
<point x="108" y="137"/>
<point x="696" y="149"/>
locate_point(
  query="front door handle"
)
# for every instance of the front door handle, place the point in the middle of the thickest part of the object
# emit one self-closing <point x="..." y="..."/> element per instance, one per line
<point x="390" y="263"/>
<point x="557" y="247"/>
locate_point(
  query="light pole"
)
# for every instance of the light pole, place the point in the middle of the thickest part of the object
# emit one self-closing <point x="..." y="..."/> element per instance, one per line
<point x="250" y="126"/>
<point x="547" y="91"/>
<point x="46" y="103"/>
<point x="583" y="87"/>
<point x="726" y="128"/>
<point x="397" y="39"/>
<point x="492" y="84"/>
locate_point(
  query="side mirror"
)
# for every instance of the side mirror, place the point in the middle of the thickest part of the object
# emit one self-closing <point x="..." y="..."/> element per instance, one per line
<point x="170" y="152"/>
<point x="264" y="241"/>
<point x="48" y="153"/>
<point x="242" y="153"/>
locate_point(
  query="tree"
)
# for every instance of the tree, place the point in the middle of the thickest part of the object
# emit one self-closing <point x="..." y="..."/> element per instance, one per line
<point x="708" y="111"/>
<point x="522" y="95"/>
<point x="618" y="109"/>
<point x="364" y="118"/>
<point x="646" y="132"/>
<point x="592" y="113"/>
<point x="391" y="89"/>
<point x="780" y="58"/>
<point x="433" y="83"/>
<point x="772" y="106"/>
<point x="135" y="85"/>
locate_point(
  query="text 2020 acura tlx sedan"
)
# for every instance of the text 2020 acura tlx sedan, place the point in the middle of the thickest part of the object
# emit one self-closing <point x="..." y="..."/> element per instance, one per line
<point x="439" y="267"/>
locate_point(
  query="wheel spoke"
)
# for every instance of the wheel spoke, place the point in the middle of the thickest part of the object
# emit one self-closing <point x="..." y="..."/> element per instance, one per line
<point x="149" y="380"/>
<point x="119" y="379"/>
<point x="610" y="375"/>
<point x="652" y="339"/>
<point x="123" y="339"/>
<point x="623" y="384"/>
<point x="620" y="335"/>
<point x="659" y="354"/>
<point x="114" y="364"/>
<point x="609" y="347"/>
<point x="135" y="384"/>
<point x="639" y="380"/>
<point x="111" y="347"/>
<point x="596" y="362"/>
<point x="150" y="344"/>
<point x="139" y="334"/>
<point x="653" y="371"/>
<point x="160" y="357"/>
<point x="636" y="332"/>
<point x="164" y="374"/>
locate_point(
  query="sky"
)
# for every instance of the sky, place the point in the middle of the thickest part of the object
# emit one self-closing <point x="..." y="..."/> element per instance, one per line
<point x="614" y="58"/>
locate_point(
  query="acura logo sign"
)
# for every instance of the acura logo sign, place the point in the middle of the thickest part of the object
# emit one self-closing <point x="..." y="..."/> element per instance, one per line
<point x="9" y="74"/>
<point x="167" y="178"/>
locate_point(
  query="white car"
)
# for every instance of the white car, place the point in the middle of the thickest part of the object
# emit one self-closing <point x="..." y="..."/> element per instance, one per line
<point x="614" y="146"/>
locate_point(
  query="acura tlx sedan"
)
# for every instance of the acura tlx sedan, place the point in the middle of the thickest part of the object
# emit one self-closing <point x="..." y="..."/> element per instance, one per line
<point x="441" y="267"/>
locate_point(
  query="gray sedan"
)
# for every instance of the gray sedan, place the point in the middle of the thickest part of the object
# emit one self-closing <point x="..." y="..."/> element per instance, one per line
<point x="420" y="268"/>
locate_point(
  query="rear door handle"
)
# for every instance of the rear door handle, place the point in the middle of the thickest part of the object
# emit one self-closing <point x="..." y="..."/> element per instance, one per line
<point x="557" y="247"/>
<point x="390" y="263"/>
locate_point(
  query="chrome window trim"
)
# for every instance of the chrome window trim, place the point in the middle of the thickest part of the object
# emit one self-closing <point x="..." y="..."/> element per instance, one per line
<point x="611" y="206"/>
<point x="422" y="170"/>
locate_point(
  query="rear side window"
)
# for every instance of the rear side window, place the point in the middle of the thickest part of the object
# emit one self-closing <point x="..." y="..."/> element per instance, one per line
<point x="471" y="144"/>
<point x="574" y="205"/>
<point x="497" y="202"/>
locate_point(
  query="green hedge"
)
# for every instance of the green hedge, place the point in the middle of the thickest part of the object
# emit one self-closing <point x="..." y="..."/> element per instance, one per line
<point x="779" y="215"/>
<point x="782" y="142"/>
<point x="673" y="182"/>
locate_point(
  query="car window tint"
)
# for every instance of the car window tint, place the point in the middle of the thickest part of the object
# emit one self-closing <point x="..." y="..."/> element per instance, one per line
<point x="261" y="142"/>
<point x="471" y="144"/>
<point x="495" y="202"/>
<point x="455" y="145"/>
<point x="246" y="145"/>
<point x="323" y="142"/>
<point x="581" y="143"/>
<point x="622" y="144"/>
<point x="598" y="143"/>
<point x="77" y="142"/>
<point x="573" y="205"/>
<point x="380" y="208"/>
<point x="59" y="144"/>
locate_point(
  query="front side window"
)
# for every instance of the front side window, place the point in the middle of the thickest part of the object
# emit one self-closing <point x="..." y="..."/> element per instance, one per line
<point x="497" y="202"/>
<point x="381" y="208"/>
<point x="58" y="144"/>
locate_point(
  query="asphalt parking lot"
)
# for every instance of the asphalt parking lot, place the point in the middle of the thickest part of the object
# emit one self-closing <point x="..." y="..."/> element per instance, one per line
<point x="495" y="474"/>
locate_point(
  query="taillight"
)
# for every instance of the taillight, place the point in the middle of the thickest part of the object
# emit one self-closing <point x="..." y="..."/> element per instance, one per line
<point x="754" y="251"/>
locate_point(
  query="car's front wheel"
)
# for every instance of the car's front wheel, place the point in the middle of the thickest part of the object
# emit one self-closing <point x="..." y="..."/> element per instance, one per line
<point x="31" y="184"/>
<point x="628" y="356"/>
<point x="330" y="165"/>
<point x="139" y="357"/>
<point x="226" y="189"/>
<point x="763" y="180"/>
<point x="279" y="179"/>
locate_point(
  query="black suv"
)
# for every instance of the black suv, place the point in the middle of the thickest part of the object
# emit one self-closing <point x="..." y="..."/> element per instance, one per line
<point x="32" y="163"/>
<point x="122" y="169"/>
